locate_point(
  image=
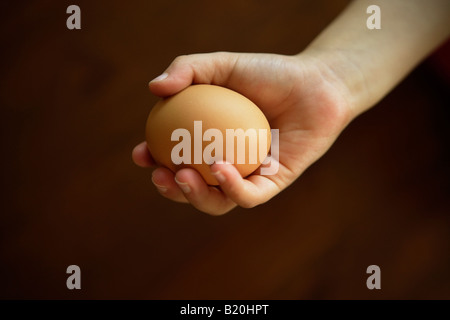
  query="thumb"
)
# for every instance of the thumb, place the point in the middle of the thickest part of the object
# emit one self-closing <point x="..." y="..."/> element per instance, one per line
<point x="206" y="68"/>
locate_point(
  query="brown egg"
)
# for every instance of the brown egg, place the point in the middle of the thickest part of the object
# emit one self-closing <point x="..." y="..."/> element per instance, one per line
<point x="207" y="123"/>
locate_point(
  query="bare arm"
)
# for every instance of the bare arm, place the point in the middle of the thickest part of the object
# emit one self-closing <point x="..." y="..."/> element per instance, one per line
<point x="372" y="62"/>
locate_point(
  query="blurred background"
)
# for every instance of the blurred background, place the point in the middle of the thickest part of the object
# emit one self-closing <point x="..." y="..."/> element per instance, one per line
<point x="73" y="104"/>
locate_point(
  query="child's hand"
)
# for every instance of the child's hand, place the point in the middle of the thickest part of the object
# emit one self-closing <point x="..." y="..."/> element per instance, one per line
<point x="299" y="95"/>
<point x="309" y="97"/>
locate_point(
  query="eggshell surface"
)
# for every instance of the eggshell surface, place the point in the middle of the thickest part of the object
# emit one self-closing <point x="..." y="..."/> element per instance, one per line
<point x="217" y="108"/>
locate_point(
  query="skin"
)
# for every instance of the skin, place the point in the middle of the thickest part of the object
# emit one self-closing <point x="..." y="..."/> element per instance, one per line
<point x="310" y="97"/>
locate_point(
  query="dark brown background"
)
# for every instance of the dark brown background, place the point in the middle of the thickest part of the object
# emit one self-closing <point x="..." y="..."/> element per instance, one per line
<point x="74" y="104"/>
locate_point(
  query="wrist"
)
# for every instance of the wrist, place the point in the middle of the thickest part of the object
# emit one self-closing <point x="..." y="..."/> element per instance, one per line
<point x="338" y="67"/>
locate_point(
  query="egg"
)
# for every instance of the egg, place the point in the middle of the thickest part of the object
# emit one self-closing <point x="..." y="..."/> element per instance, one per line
<point x="203" y="124"/>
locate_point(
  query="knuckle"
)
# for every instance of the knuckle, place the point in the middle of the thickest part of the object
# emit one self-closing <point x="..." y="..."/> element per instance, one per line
<point x="216" y="212"/>
<point x="222" y="54"/>
<point x="213" y="210"/>
<point x="179" y="59"/>
<point x="247" y="203"/>
<point x="242" y="197"/>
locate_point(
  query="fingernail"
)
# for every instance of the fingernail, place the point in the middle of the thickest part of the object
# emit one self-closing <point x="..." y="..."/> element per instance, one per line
<point x="219" y="176"/>
<point x="160" y="187"/>
<point x="183" y="186"/>
<point x="160" y="77"/>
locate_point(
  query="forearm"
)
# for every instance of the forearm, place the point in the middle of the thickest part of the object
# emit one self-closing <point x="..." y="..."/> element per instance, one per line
<point x="372" y="62"/>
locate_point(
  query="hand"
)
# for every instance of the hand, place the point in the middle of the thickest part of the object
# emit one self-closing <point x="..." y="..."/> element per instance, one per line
<point x="300" y="95"/>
